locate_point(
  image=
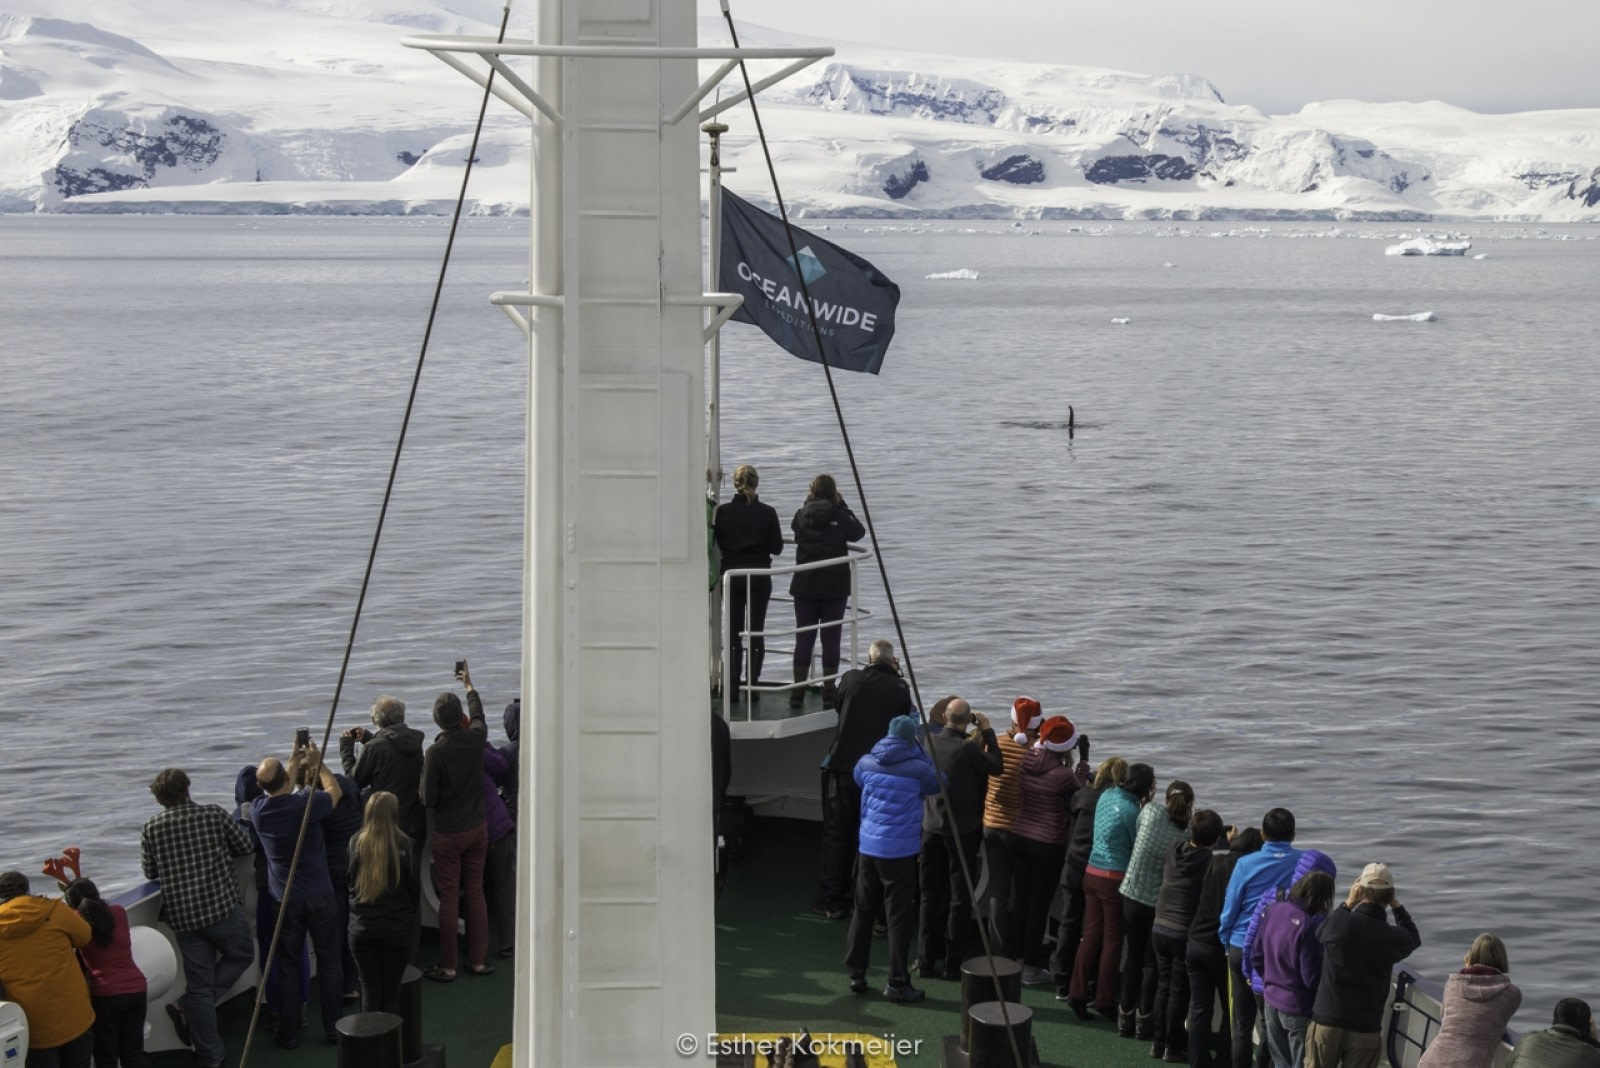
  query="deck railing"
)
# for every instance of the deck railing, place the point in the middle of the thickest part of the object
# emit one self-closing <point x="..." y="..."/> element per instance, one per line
<point x="849" y="655"/>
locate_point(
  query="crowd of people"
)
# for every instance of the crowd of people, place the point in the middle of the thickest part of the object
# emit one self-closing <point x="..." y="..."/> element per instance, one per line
<point x="1165" y="918"/>
<point x="355" y="893"/>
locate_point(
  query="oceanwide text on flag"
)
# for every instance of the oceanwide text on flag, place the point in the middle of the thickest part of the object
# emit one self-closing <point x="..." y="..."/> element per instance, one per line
<point x="854" y="302"/>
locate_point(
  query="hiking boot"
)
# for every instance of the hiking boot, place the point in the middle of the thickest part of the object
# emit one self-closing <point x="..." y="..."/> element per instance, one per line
<point x="831" y="908"/>
<point x="797" y="696"/>
<point x="858" y="983"/>
<point x="1144" y="1027"/>
<point x="1032" y="976"/>
<point x="1125" y="1023"/>
<point x="1158" y="1048"/>
<point x="830" y="694"/>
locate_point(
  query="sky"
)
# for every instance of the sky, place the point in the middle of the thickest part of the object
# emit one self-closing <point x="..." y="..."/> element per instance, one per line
<point x="1486" y="55"/>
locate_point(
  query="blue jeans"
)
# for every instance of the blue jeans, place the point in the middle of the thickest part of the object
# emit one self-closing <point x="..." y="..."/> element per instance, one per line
<point x="1286" y="1038"/>
<point x="213" y="959"/>
<point x="320" y="917"/>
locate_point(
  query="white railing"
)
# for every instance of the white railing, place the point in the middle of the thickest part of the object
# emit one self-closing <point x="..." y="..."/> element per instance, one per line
<point x="855" y="556"/>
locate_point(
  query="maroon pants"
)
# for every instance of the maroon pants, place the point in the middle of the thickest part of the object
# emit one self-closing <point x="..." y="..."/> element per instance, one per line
<point x="458" y="858"/>
<point x="1100" y="952"/>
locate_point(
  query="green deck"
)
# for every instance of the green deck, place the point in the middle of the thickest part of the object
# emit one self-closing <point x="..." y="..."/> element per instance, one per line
<point x="779" y="968"/>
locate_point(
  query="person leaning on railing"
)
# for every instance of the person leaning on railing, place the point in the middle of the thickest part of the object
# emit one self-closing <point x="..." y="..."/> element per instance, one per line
<point x="747" y="536"/>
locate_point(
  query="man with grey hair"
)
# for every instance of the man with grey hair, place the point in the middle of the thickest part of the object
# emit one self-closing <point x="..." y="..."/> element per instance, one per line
<point x="391" y="759"/>
<point x="869" y="698"/>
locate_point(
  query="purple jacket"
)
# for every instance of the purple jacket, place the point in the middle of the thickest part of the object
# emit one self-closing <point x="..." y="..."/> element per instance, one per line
<point x="1288" y="957"/>
<point x="495" y="772"/>
<point x="1047" y="785"/>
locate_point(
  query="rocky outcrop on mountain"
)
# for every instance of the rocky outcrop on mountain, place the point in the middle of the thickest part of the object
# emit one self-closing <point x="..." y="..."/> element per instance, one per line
<point x="1588" y="196"/>
<point x="1020" y="169"/>
<point x="106" y="150"/>
<point x="897" y="185"/>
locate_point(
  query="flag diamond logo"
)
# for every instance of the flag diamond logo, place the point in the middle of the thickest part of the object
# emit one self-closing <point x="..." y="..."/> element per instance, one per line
<point x="810" y="267"/>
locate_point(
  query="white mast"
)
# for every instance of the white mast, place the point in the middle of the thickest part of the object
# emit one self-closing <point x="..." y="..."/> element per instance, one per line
<point x="615" y="942"/>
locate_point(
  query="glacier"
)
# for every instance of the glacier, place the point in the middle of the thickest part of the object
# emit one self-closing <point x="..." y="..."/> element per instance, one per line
<point x="313" y="106"/>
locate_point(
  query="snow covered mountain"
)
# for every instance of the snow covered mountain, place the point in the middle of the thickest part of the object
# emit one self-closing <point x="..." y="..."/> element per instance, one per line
<point x="312" y="105"/>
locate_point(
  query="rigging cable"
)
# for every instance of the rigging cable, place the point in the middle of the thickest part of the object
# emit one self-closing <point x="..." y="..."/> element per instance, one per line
<point x="872" y="533"/>
<point x="372" y="556"/>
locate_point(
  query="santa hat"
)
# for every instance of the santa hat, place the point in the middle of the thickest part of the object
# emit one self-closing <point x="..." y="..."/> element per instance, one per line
<point x="1026" y="714"/>
<point x="1058" y="734"/>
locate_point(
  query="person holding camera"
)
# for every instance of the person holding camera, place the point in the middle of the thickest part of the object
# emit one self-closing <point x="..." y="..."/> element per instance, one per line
<point x="1359" y="951"/>
<point x="823" y="529"/>
<point x="391" y="759"/>
<point x="452" y="788"/>
<point x="307" y="905"/>
<point x="1571" y="1041"/>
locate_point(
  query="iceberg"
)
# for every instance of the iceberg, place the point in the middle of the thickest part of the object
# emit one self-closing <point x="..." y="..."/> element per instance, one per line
<point x="1419" y="317"/>
<point x="960" y="273"/>
<point x="1121" y="320"/>
<point x="1427" y="246"/>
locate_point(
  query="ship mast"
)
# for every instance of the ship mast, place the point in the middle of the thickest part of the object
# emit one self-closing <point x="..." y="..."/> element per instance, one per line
<point x="615" y="940"/>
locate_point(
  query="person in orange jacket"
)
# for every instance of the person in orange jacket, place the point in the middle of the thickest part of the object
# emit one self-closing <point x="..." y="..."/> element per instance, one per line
<point x="39" y="971"/>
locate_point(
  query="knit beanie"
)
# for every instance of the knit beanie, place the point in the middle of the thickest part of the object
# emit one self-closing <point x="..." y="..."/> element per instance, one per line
<point x="903" y="727"/>
<point x="13" y="884"/>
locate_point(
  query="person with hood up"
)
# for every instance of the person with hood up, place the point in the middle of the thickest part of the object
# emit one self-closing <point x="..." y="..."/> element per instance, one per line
<point x="1183" y="871"/>
<point x="1479" y="1002"/>
<point x="391" y="759"/>
<point x="39" y="970"/>
<point x="1283" y="958"/>
<point x="893" y="778"/>
<point x="823" y="528"/>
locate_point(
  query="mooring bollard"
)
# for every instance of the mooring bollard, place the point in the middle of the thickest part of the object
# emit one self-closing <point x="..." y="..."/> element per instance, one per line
<point x="411" y="1014"/>
<point x="977" y="986"/>
<point x="369" y="1040"/>
<point x="990" y="1043"/>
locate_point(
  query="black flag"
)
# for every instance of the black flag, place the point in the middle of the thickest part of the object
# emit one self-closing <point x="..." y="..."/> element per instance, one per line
<point x="854" y="302"/>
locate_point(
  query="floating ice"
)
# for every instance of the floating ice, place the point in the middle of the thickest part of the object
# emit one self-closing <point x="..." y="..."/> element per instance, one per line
<point x="1121" y="320"/>
<point x="1419" y="317"/>
<point x="1426" y="246"/>
<point x="961" y="273"/>
<point x="1481" y="256"/>
<point x="1168" y="264"/>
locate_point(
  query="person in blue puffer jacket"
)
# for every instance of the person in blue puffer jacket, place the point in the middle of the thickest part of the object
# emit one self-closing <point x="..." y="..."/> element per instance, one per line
<point x="894" y="778"/>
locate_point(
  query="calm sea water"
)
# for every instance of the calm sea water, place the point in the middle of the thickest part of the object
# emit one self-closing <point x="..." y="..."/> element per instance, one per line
<point x="1291" y="555"/>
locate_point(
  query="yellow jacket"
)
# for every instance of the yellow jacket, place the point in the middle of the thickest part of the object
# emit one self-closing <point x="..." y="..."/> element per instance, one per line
<point x="40" y="970"/>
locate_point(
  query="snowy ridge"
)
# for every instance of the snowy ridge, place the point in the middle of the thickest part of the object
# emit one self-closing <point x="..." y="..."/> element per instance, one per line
<point x="312" y="105"/>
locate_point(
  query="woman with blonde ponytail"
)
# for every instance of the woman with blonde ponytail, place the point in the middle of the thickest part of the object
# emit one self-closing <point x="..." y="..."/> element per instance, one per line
<point x="385" y="898"/>
<point x="747" y="535"/>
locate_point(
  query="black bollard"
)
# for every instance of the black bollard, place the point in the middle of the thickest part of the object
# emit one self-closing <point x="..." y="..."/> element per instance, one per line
<point x="369" y="1040"/>
<point x="411" y="1014"/>
<point x="977" y="986"/>
<point x="991" y="1044"/>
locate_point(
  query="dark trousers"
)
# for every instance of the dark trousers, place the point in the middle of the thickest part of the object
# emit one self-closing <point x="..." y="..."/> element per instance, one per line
<point x="458" y="860"/>
<point x="119" y="1030"/>
<point x="1208" y="981"/>
<point x="997" y="860"/>
<point x="319" y="918"/>
<point x="756" y="591"/>
<point x="808" y="613"/>
<point x="78" y="1053"/>
<point x="1171" y="1008"/>
<point x="841" y="833"/>
<point x="1244" y="1010"/>
<point x="1070" y="932"/>
<point x="381" y="965"/>
<point x="1035" y="874"/>
<point x="946" y="905"/>
<point x="887" y="887"/>
<point x="340" y="877"/>
<point x="1100" y="953"/>
<point x="1138" y="958"/>
<point x="266" y="923"/>
<point x="500" y="884"/>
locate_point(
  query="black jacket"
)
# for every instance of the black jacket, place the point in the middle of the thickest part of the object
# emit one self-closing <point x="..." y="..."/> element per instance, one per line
<point x="966" y="767"/>
<point x="1182" y="875"/>
<point x="452" y="773"/>
<point x="1080" y="831"/>
<point x="822" y="529"/>
<point x="391" y="761"/>
<point x="747" y="533"/>
<point x="868" y="699"/>
<point x="396" y="916"/>
<point x="1213" y="889"/>
<point x="1359" y="951"/>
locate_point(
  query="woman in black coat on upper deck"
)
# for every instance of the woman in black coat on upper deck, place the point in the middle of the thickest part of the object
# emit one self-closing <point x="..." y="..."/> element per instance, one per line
<point x="823" y="527"/>
<point x="747" y="535"/>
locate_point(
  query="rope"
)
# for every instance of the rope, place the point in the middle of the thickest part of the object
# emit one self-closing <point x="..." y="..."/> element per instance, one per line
<point x="372" y="557"/>
<point x="872" y="533"/>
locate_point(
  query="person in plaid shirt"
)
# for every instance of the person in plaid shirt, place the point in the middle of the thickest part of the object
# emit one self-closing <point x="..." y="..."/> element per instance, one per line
<point x="189" y="849"/>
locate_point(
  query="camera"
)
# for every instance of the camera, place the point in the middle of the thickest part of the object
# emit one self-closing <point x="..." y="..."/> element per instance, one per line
<point x="302" y="738"/>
